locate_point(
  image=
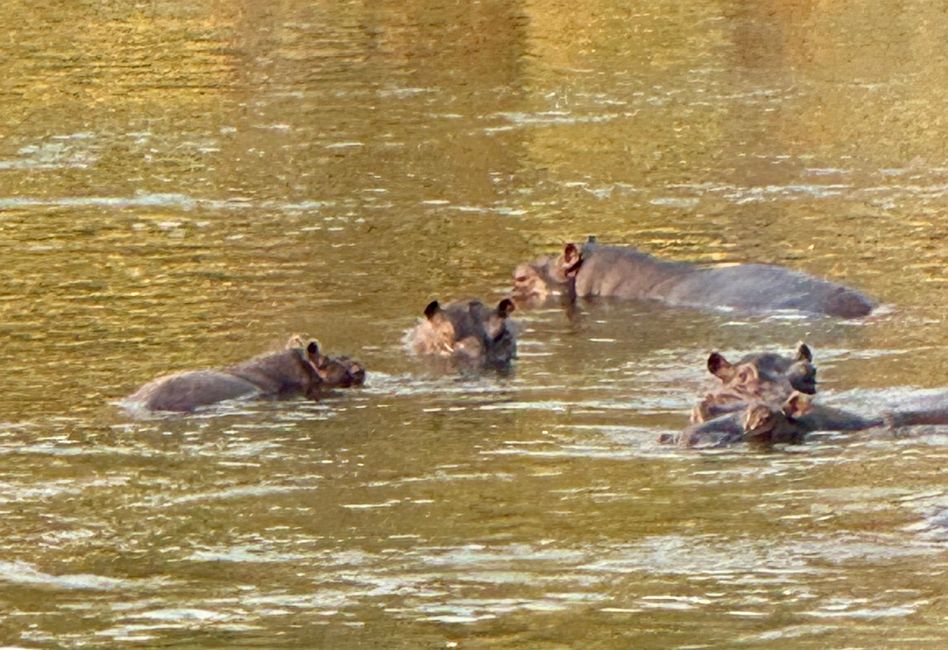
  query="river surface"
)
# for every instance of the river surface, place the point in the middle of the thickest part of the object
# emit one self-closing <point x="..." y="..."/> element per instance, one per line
<point x="185" y="185"/>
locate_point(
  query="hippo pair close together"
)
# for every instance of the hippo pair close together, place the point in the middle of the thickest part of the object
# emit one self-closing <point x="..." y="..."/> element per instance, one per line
<point x="767" y="399"/>
<point x="469" y="331"/>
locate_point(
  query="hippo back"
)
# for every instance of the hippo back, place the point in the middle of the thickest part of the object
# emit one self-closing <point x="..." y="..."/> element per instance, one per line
<point x="763" y="287"/>
<point x="186" y="391"/>
<point x="280" y="373"/>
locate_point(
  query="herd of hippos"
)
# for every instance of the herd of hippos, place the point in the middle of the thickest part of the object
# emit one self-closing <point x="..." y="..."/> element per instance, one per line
<point x="762" y="399"/>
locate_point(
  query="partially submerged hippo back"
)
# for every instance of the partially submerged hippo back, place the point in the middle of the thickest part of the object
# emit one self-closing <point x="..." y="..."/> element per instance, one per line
<point x="290" y="372"/>
<point x="764" y="287"/>
<point x="186" y="391"/>
<point x="767" y="377"/>
<point x="624" y="272"/>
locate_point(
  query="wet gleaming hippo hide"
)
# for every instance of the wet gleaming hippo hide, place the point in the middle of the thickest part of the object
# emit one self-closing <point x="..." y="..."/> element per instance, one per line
<point x="299" y="370"/>
<point x="621" y="272"/>
<point x="766" y="424"/>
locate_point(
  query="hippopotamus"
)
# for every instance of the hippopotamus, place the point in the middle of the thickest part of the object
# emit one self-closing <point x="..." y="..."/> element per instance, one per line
<point x="298" y="370"/>
<point x="768" y="423"/>
<point x="623" y="272"/>
<point x="767" y="377"/>
<point x="466" y="331"/>
<point x="335" y="372"/>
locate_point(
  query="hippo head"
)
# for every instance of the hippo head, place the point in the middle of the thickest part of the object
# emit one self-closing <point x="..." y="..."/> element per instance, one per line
<point x="766" y="377"/>
<point x="766" y="424"/>
<point x="755" y="372"/>
<point x="340" y="372"/>
<point x="467" y="331"/>
<point x="333" y="372"/>
<point x="535" y="281"/>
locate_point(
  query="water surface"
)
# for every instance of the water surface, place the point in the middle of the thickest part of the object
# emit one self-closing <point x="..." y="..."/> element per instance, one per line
<point x="185" y="186"/>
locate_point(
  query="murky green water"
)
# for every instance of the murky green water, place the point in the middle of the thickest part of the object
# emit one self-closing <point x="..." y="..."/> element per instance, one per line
<point x="186" y="184"/>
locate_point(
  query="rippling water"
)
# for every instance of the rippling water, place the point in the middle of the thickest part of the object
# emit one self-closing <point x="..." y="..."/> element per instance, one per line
<point x="185" y="186"/>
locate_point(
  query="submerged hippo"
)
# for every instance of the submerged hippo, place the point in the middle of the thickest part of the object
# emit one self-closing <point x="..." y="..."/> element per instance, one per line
<point x="767" y="423"/>
<point x="767" y="377"/>
<point x="299" y="370"/>
<point x="595" y="270"/>
<point x="466" y="331"/>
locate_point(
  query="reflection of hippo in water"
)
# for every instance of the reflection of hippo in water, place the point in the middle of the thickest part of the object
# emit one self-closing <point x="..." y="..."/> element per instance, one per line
<point x="789" y="422"/>
<point x="467" y="331"/>
<point x="767" y="377"/>
<point x="300" y="369"/>
<point x="595" y="270"/>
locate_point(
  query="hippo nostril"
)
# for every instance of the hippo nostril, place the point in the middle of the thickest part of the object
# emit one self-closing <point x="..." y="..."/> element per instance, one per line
<point x="520" y="278"/>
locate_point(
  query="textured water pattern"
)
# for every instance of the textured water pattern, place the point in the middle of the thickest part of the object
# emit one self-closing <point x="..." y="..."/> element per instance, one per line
<point x="184" y="185"/>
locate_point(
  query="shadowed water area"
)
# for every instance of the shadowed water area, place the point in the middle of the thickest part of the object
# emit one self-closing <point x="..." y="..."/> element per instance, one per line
<point x="184" y="185"/>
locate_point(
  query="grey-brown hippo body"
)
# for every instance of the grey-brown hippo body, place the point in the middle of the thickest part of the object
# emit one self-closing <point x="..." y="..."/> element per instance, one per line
<point x="621" y="272"/>
<point x="766" y="424"/>
<point x="299" y="370"/>
<point x="466" y="331"/>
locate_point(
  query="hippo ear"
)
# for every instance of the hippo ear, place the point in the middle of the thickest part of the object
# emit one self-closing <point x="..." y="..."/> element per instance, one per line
<point x="803" y="353"/>
<point x="572" y="258"/>
<point x="720" y="367"/>
<point x="432" y="309"/>
<point x="313" y="353"/>
<point x="504" y="307"/>
<point x="797" y="405"/>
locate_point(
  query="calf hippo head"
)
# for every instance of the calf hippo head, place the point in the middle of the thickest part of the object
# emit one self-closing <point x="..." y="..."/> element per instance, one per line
<point x="765" y="424"/>
<point x="767" y="377"/>
<point x="535" y="281"/>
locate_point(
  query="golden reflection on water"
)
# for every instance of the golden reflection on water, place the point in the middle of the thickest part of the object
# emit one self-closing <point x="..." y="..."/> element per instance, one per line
<point x="184" y="185"/>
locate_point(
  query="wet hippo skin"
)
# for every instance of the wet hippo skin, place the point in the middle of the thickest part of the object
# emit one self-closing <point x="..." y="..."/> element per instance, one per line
<point x="298" y="370"/>
<point x="763" y="423"/>
<point x="622" y="272"/>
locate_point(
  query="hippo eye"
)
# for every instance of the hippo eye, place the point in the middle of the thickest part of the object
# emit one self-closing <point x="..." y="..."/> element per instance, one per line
<point x="520" y="278"/>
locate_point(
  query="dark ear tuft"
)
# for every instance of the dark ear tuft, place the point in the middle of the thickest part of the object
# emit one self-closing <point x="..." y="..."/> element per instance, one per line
<point x="719" y="366"/>
<point x="505" y="307"/>
<point x="803" y="352"/>
<point x="432" y="309"/>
